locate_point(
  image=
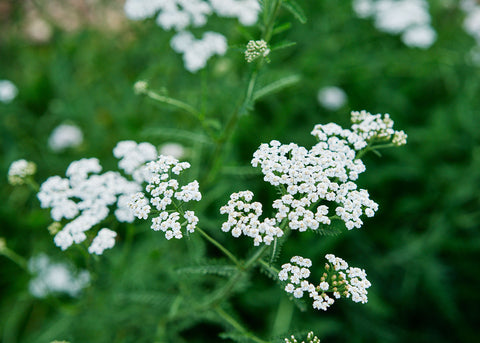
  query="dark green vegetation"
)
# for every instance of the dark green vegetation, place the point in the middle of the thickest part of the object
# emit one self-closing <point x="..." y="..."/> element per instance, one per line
<point x="420" y="251"/>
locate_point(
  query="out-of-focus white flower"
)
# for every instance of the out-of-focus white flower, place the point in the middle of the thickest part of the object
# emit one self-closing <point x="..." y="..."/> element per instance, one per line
<point x="311" y="338"/>
<point x="8" y="91"/>
<point x="471" y="23"/>
<point x="410" y="17"/>
<point x="19" y="170"/>
<point x="332" y="98"/>
<point x="245" y="10"/>
<point x="105" y="240"/>
<point x="51" y="277"/>
<point x="196" y="52"/>
<point x="172" y="149"/>
<point x="65" y="136"/>
<point x="420" y="36"/>
<point x="133" y="157"/>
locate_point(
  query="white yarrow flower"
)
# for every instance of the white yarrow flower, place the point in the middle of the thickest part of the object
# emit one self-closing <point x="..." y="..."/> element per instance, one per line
<point x="105" y="240"/>
<point x="19" y="170"/>
<point x="332" y="98"/>
<point x="65" y="136"/>
<point x="8" y="91"/>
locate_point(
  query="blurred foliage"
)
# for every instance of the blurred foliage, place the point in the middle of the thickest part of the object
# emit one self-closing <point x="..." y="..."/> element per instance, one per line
<point x="420" y="250"/>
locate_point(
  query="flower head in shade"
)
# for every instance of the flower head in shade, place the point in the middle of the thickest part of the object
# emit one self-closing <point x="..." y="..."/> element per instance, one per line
<point x="256" y="49"/>
<point x="166" y="197"/>
<point x="20" y="170"/>
<point x="8" y="91"/>
<point x="338" y="279"/>
<point x="54" y="277"/>
<point x="65" y="136"/>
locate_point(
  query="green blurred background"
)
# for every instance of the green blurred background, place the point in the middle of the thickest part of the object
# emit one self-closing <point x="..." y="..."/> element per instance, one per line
<point x="421" y="251"/>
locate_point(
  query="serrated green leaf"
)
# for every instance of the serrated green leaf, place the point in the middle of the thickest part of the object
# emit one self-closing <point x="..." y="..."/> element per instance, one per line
<point x="276" y="86"/>
<point x="293" y="7"/>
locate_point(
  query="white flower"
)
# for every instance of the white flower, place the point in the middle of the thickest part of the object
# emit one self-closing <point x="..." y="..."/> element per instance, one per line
<point x="164" y="191"/>
<point x="84" y="197"/>
<point x="173" y="149"/>
<point x="196" y="52"/>
<point x="65" y="136"/>
<point x="420" y="36"/>
<point x="51" y="277"/>
<point x="255" y="49"/>
<point x="471" y="23"/>
<point x="8" y="91"/>
<point x="19" y="170"/>
<point x="133" y="156"/>
<point x="245" y="10"/>
<point x="332" y="98"/>
<point x="410" y="17"/>
<point x="105" y="239"/>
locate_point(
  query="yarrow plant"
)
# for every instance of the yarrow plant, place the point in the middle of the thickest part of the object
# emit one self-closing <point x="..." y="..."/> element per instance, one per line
<point x="20" y="171"/>
<point x="316" y="186"/>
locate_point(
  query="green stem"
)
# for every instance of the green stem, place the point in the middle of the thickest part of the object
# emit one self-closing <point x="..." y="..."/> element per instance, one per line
<point x="183" y="106"/>
<point x="229" y="319"/>
<point x="14" y="257"/>
<point x="373" y="147"/>
<point x="220" y="246"/>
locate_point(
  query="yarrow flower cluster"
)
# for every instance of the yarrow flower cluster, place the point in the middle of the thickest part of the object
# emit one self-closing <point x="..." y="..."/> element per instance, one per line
<point x="338" y="279"/>
<point x="317" y="184"/>
<point x="256" y="49"/>
<point x="65" y="136"/>
<point x="179" y="15"/>
<point x="311" y="338"/>
<point x="19" y="171"/>
<point x="243" y="218"/>
<point x="84" y="198"/>
<point x="105" y="240"/>
<point x="54" y="277"/>
<point x="133" y="156"/>
<point x="409" y="17"/>
<point x="163" y="192"/>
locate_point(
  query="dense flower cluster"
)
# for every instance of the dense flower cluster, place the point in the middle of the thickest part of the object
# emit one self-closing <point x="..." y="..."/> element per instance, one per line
<point x="65" y="136"/>
<point x="317" y="184"/>
<point x="338" y="279"/>
<point x="409" y="17"/>
<point x="255" y="49"/>
<point x="84" y="198"/>
<point x="179" y="15"/>
<point x="19" y="170"/>
<point x="163" y="192"/>
<point x="243" y="218"/>
<point x="53" y="277"/>
<point x="8" y="91"/>
<point x="311" y="338"/>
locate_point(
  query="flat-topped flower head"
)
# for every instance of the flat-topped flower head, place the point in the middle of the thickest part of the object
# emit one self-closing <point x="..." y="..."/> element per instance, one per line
<point x="85" y="197"/>
<point x="105" y="240"/>
<point x="164" y="196"/>
<point x="244" y="219"/>
<point x="133" y="156"/>
<point x="338" y="279"/>
<point x="20" y="170"/>
<point x="65" y="136"/>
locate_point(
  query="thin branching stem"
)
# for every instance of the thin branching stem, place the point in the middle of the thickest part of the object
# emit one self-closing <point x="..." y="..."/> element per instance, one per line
<point x="220" y="246"/>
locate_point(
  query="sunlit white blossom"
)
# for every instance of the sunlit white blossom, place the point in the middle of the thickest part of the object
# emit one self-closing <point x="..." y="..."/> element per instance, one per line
<point x="105" y="239"/>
